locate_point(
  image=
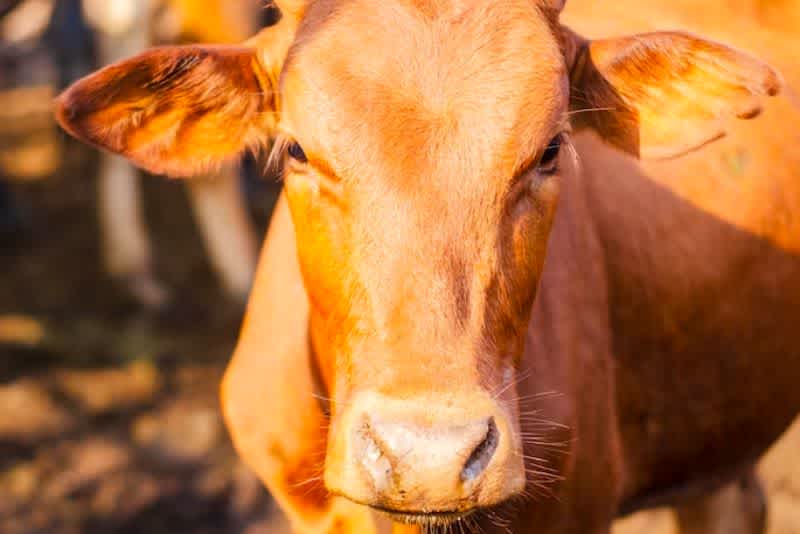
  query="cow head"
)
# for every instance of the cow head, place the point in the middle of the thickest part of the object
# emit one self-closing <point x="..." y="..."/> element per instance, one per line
<point x="424" y="146"/>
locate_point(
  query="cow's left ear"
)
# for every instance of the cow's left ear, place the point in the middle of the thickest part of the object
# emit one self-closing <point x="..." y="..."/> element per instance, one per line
<point x="174" y="110"/>
<point x="660" y="95"/>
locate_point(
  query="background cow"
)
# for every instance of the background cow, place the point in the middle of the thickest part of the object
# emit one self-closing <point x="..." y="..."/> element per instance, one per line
<point x="126" y="27"/>
<point x="57" y="34"/>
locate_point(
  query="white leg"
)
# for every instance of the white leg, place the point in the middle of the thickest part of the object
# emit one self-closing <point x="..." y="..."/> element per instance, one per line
<point x="125" y="245"/>
<point x="227" y="230"/>
<point x="123" y="31"/>
<point x="738" y="508"/>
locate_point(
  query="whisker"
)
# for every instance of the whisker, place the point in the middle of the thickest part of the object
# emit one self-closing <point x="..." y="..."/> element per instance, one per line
<point x="307" y="482"/>
<point x="540" y="429"/>
<point x="537" y="478"/>
<point x="588" y="110"/>
<point x="474" y="525"/>
<point x="557" y="449"/>
<point x="330" y="401"/>
<point x="517" y="380"/>
<point x="540" y="395"/>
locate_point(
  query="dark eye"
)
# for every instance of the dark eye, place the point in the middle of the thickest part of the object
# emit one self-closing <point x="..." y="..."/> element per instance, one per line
<point x="548" y="164"/>
<point x="296" y="152"/>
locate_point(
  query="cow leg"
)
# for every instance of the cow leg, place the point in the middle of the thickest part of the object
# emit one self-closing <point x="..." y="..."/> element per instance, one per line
<point x="125" y="245"/>
<point x="227" y="231"/>
<point x="738" y="508"/>
<point x="268" y="394"/>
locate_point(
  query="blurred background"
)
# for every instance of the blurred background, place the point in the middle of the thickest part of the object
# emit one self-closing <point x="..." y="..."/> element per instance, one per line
<point x="121" y="296"/>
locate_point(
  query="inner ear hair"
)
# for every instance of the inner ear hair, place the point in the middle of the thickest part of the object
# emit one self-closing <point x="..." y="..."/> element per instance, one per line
<point x="178" y="111"/>
<point x="593" y="101"/>
<point x="662" y="94"/>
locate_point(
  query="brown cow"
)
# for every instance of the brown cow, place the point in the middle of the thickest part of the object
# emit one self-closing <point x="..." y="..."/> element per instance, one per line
<point x="428" y="335"/>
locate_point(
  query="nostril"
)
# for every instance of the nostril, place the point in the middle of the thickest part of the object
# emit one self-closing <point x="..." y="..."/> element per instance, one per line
<point x="482" y="455"/>
<point x="373" y="458"/>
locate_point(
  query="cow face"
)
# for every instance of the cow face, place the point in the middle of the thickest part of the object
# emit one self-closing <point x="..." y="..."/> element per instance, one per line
<point x="424" y="144"/>
<point x="423" y="179"/>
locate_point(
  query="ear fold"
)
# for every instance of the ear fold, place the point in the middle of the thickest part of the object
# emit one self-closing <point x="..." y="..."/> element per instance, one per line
<point x="663" y="94"/>
<point x="174" y="110"/>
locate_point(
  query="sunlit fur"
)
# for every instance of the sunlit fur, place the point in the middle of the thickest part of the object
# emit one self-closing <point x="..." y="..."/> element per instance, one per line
<point x="420" y="225"/>
<point x="154" y="112"/>
<point x="463" y="130"/>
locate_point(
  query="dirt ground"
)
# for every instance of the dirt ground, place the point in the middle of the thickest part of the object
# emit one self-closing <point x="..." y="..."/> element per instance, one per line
<point x="109" y="421"/>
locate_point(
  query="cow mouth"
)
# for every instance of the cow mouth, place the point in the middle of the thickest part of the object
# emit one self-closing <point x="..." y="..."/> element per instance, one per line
<point x="429" y="519"/>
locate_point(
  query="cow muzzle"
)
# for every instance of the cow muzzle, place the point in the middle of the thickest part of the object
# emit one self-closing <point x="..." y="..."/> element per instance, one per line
<point x="425" y="460"/>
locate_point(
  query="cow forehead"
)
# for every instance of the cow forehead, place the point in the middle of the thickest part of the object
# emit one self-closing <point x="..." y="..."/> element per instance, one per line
<point x="473" y="86"/>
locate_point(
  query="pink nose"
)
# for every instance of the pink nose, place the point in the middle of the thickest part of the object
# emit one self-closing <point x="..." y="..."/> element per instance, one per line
<point x="406" y="460"/>
<point x="407" y="455"/>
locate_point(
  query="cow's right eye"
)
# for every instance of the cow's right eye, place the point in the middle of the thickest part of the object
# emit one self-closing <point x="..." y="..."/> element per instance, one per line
<point x="296" y="152"/>
<point x="548" y="164"/>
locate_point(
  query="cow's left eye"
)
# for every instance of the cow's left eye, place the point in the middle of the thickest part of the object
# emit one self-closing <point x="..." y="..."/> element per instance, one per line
<point x="548" y="163"/>
<point x="296" y="152"/>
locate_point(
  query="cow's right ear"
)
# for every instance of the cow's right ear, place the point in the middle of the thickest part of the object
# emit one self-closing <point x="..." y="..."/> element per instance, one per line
<point x="178" y="110"/>
<point x="663" y="94"/>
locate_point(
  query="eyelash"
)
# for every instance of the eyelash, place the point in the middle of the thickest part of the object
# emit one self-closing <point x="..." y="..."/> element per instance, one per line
<point x="285" y="150"/>
<point x="296" y="152"/>
<point x="548" y="163"/>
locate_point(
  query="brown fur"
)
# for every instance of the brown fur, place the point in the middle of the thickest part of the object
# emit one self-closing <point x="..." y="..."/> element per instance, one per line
<point x="418" y="276"/>
<point x="116" y="108"/>
<point x="660" y="95"/>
